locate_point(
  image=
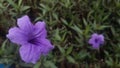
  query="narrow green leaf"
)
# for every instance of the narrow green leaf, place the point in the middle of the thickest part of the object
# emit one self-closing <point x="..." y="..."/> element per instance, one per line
<point x="61" y="50"/>
<point x="3" y="45"/>
<point x="77" y="29"/>
<point x="70" y="59"/>
<point x="19" y="3"/>
<point x="85" y="22"/>
<point x="24" y="8"/>
<point x="11" y="2"/>
<point x="69" y="50"/>
<point x="57" y="36"/>
<point x="37" y="65"/>
<point x="64" y="21"/>
<point x="49" y="64"/>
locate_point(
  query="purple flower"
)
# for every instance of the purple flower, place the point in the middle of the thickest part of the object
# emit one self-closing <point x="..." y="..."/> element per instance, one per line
<point x="96" y="40"/>
<point x="32" y="39"/>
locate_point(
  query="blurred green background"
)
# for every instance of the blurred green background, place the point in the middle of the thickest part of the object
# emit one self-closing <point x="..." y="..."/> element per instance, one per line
<point x="70" y="24"/>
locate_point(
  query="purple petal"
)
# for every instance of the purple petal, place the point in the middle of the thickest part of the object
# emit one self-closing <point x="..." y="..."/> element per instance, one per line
<point x="101" y="38"/>
<point x="91" y="41"/>
<point x="30" y="53"/>
<point x="40" y="30"/>
<point x="94" y="35"/>
<point x="46" y="46"/>
<point x="25" y="24"/>
<point x="95" y="45"/>
<point x="16" y="36"/>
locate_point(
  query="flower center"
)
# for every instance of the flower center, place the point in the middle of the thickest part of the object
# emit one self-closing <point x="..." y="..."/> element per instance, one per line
<point x="32" y="41"/>
<point x="96" y="40"/>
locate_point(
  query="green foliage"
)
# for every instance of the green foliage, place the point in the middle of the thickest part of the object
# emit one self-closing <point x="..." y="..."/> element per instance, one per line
<point x="70" y="24"/>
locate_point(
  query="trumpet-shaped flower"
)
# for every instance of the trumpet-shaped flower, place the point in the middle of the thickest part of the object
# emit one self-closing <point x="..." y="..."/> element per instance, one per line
<point x="96" y="40"/>
<point x="31" y="38"/>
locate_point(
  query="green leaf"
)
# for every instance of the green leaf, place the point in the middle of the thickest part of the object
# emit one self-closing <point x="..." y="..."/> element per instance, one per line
<point x="69" y="50"/>
<point x="55" y="16"/>
<point x="11" y="2"/>
<point x="19" y="3"/>
<point x="61" y="50"/>
<point x="45" y="7"/>
<point x="64" y="21"/>
<point x="24" y="8"/>
<point x="87" y="29"/>
<point x="110" y="62"/>
<point x="77" y="29"/>
<point x="85" y="22"/>
<point x="82" y="54"/>
<point x="37" y="65"/>
<point x="105" y="17"/>
<point x="57" y="36"/>
<point x="70" y="59"/>
<point x="103" y="27"/>
<point x="3" y="45"/>
<point x="113" y="31"/>
<point x="63" y="36"/>
<point x="49" y="64"/>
